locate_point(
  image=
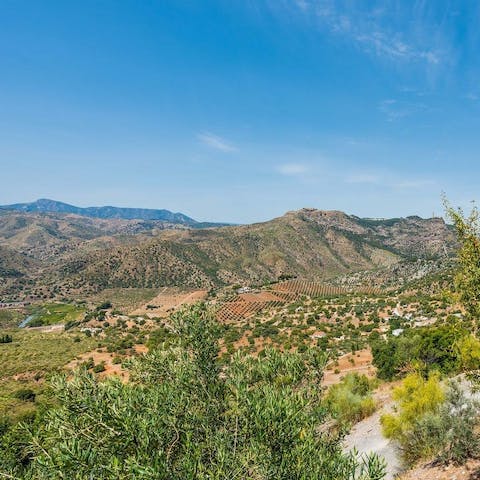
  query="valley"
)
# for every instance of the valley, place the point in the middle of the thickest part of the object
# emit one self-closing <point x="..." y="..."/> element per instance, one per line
<point x="94" y="295"/>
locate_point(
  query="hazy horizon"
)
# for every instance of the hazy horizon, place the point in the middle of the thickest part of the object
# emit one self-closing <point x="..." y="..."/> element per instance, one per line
<point x="434" y="214"/>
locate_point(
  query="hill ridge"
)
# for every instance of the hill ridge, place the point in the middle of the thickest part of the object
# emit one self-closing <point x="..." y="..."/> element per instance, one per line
<point x="45" y="205"/>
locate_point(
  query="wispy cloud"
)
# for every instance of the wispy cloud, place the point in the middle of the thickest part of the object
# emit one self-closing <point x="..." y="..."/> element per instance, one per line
<point x="397" y="109"/>
<point x="216" y="142"/>
<point x="302" y="4"/>
<point x="292" y="169"/>
<point x="384" y="32"/>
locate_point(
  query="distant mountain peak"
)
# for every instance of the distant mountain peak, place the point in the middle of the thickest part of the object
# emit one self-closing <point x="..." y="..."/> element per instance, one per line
<point x="46" y="205"/>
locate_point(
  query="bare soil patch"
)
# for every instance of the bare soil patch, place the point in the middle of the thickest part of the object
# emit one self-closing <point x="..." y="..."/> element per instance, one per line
<point x="106" y="358"/>
<point x="359" y="362"/>
<point x="469" y="471"/>
<point x="168" y="300"/>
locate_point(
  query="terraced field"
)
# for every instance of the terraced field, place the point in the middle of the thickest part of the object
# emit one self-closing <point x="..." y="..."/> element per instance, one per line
<point x="311" y="289"/>
<point x="245" y="305"/>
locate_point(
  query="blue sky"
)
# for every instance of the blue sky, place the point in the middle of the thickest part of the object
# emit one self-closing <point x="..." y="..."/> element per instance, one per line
<point x="241" y="110"/>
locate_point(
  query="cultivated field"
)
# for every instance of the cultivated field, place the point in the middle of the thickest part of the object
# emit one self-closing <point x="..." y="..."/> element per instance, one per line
<point x="168" y="300"/>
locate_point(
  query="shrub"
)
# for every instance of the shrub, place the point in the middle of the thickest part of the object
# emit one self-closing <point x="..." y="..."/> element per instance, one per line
<point x="104" y="306"/>
<point x="350" y="401"/>
<point x="426" y="349"/>
<point x="447" y="433"/>
<point x="71" y="324"/>
<point x="461" y="419"/>
<point x="99" y="367"/>
<point x="6" y="338"/>
<point x="434" y="422"/>
<point x="25" y="394"/>
<point x="415" y="397"/>
<point x="88" y="364"/>
<point x="469" y="353"/>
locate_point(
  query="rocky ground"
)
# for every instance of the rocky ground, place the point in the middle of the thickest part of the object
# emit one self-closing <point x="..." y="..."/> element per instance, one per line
<point x="470" y="471"/>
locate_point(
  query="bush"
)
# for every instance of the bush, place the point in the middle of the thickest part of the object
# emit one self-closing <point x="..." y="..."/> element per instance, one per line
<point x="25" y="394"/>
<point x="104" y="306"/>
<point x="426" y="349"/>
<point x="460" y="417"/>
<point x="6" y="338"/>
<point x="447" y="435"/>
<point x="415" y="397"/>
<point x="88" y="364"/>
<point x="99" y="367"/>
<point x="36" y="322"/>
<point x="71" y="324"/>
<point x="469" y="353"/>
<point x="433" y="422"/>
<point x="350" y="401"/>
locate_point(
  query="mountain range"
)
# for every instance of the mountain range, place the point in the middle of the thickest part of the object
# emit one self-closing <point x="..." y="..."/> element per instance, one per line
<point x="44" y="205"/>
<point x="52" y="253"/>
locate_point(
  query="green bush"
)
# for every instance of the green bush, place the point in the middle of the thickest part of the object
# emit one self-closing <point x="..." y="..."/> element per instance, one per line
<point x="25" y="394"/>
<point x="350" y="401"/>
<point x="6" y="338"/>
<point x="427" y="349"/>
<point x="99" y="367"/>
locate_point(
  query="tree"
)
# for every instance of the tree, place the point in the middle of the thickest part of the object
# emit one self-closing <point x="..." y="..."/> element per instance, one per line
<point x="467" y="278"/>
<point x="182" y="416"/>
<point x="469" y="353"/>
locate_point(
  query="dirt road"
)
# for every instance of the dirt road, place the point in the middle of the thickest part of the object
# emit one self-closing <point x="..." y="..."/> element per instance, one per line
<point x="366" y="436"/>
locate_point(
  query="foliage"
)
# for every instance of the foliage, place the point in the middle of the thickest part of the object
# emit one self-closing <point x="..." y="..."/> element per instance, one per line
<point x="468" y="349"/>
<point x="100" y="367"/>
<point x="350" y="401"/>
<point x="25" y="394"/>
<point x="105" y="305"/>
<point x="415" y="397"/>
<point x="391" y="356"/>
<point x="6" y="338"/>
<point x="182" y="417"/>
<point x="460" y="417"/>
<point x="446" y="348"/>
<point x="467" y="278"/>
<point x="434" y="423"/>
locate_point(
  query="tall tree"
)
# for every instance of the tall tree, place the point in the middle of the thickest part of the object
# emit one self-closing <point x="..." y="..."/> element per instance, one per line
<point x="467" y="278"/>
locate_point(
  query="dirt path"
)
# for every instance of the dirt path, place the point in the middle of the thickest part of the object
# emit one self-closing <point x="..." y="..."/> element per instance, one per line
<point x="366" y="436"/>
<point x="58" y="327"/>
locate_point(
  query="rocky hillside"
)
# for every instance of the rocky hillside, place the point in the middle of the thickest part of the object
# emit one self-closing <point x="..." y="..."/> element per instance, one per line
<point x="47" y="235"/>
<point x="309" y="243"/>
<point x="81" y="254"/>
